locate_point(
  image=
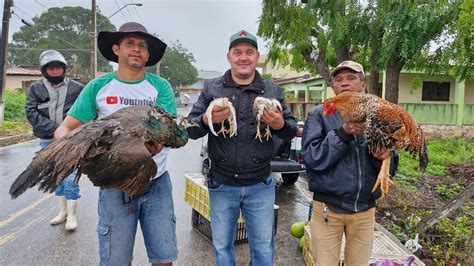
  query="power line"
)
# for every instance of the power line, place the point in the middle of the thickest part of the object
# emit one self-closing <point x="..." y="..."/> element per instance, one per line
<point x="138" y="14"/>
<point x="42" y="49"/>
<point x="45" y="7"/>
<point x="22" y="10"/>
<point x="128" y="11"/>
<point x="122" y="13"/>
<point x="57" y="49"/>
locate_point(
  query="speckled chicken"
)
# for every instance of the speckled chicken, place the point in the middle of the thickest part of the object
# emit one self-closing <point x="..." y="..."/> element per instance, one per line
<point x="110" y="151"/>
<point x="385" y="125"/>
<point x="259" y="105"/>
<point x="231" y="118"/>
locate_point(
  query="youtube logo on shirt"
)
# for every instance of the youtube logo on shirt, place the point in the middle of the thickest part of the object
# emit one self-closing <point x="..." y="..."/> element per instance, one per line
<point x="112" y="99"/>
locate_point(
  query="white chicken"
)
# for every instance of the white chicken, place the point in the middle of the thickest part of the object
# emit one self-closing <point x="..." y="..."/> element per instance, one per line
<point x="259" y="105"/>
<point x="232" y="118"/>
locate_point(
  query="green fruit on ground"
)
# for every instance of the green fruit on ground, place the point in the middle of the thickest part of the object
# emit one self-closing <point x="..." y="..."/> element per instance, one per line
<point x="301" y="243"/>
<point x="297" y="229"/>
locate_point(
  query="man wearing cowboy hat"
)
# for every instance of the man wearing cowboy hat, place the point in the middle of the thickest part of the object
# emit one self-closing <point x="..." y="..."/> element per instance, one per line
<point x="133" y="48"/>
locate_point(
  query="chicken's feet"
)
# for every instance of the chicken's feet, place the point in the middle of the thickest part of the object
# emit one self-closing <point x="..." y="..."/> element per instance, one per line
<point x="383" y="180"/>
<point x="268" y="134"/>
<point x="259" y="134"/>
<point x="222" y="130"/>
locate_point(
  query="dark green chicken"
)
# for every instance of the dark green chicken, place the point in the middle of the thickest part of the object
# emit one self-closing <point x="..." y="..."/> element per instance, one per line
<point x="110" y="151"/>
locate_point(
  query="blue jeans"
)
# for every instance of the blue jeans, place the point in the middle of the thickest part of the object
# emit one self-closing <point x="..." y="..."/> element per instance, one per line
<point x="256" y="202"/>
<point x="67" y="188"/>
<point x="118" y="218"/>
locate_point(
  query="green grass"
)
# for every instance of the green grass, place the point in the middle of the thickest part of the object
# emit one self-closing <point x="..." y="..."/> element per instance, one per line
<point x="15" y="101"/>
<point x="15" y="121"/>
<point x="441" y="153"/>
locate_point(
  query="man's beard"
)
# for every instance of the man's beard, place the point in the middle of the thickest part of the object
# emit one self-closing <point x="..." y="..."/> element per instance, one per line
<point x="134" y="65"/>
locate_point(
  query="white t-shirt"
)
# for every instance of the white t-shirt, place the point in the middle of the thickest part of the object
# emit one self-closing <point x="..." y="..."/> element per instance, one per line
<point x="108" y="94"/>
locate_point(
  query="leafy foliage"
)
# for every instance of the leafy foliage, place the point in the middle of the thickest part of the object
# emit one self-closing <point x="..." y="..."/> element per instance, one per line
<point x="441" y="154"/>
<point x="454" y="251"/>
<point x="176" y="66"/>
<point x="448" y="191"/>
<point x="65" y="29"/>
<point x="416" y="196"/>
<point x="15" y="101"/>
<point x="385" y="35"/>
<point x="267" y="76"/>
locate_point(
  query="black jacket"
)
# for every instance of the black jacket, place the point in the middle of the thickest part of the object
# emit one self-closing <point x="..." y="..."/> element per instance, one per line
<point x="243" y="159"/>
<point x="39" y="106"/>
<point x="341" y="171"/>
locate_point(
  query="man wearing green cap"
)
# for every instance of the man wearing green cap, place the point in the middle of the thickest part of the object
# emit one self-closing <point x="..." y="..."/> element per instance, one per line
<point x="239" y="179"/>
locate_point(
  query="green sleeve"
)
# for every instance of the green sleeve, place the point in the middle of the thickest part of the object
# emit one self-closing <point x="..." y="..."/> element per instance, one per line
<point x="85" y="108"/>
<point x="166" y="98"/>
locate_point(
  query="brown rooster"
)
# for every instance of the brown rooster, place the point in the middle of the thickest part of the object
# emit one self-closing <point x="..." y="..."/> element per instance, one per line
<point x="385" y="125"/>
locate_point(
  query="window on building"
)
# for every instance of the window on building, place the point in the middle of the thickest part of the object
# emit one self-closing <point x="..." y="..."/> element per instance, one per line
<point x="301" y="95"/>
<point x="435" y="91"/>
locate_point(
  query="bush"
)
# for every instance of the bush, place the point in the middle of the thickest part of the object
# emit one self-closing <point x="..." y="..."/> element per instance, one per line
<point x="15" y="101"/>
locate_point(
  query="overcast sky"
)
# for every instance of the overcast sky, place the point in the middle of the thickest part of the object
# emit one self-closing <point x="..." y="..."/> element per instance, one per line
<point x="202" y="26"/>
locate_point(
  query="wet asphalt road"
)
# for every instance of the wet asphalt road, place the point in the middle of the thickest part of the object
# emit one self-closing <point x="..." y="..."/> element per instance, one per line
<point x="26" y="238"/>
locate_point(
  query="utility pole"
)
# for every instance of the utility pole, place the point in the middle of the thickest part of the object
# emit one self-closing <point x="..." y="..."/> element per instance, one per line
<point x="93" y="66"/>
<point x="3" y="52"/>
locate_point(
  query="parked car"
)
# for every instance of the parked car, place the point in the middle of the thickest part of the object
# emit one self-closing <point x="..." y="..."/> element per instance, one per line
<point x="286" y="161"/>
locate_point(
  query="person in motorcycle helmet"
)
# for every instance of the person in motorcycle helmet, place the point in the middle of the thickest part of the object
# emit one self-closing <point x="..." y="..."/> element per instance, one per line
<point x="47" y="103"/>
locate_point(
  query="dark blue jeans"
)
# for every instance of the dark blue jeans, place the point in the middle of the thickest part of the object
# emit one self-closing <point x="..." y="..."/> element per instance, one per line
<point x="256" y="202"/>
<point x="118" y="220"/>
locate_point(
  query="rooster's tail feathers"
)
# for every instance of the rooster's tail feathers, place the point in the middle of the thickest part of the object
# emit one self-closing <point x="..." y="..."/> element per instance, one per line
<point x="423" y="157"/>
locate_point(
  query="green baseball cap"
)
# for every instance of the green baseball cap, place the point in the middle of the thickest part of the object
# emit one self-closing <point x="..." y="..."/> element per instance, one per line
<point x="243" y="36"/>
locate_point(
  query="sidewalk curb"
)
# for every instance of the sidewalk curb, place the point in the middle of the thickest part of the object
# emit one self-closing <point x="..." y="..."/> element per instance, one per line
<point x="10" y="140"/>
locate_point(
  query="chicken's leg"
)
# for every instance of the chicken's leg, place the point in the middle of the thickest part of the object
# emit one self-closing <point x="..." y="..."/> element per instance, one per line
<point x="268" y="134"/>
<point x="383" y="179"/>
<point x="258" y="135"/>
<point x="222" y="130"/>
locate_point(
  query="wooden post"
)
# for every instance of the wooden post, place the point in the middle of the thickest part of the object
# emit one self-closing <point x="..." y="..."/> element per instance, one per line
<point x="466" y="194"/>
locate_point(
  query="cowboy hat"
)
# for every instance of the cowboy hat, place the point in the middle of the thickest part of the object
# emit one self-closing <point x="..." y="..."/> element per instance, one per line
<point x="107" y="39"/>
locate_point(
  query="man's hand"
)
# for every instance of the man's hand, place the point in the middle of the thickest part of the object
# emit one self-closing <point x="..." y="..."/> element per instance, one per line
<point x="219" y="114"/>
<point x="69" y="124"/>
<point x="154" y="148"/>
<point x="273" y="119"/>
<point x="351" y="128"/>
<point x="382" y="155"/>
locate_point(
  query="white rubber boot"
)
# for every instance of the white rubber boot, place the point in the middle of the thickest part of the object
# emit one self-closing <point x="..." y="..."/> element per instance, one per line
<point x="61" y="217"/>
<point x="71" y="223"/>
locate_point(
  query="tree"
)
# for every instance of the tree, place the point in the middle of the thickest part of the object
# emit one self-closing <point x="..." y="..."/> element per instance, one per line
<point x="385" y="35"/>
<point x="65" y="29"/>
<point x="176" y="66"/>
